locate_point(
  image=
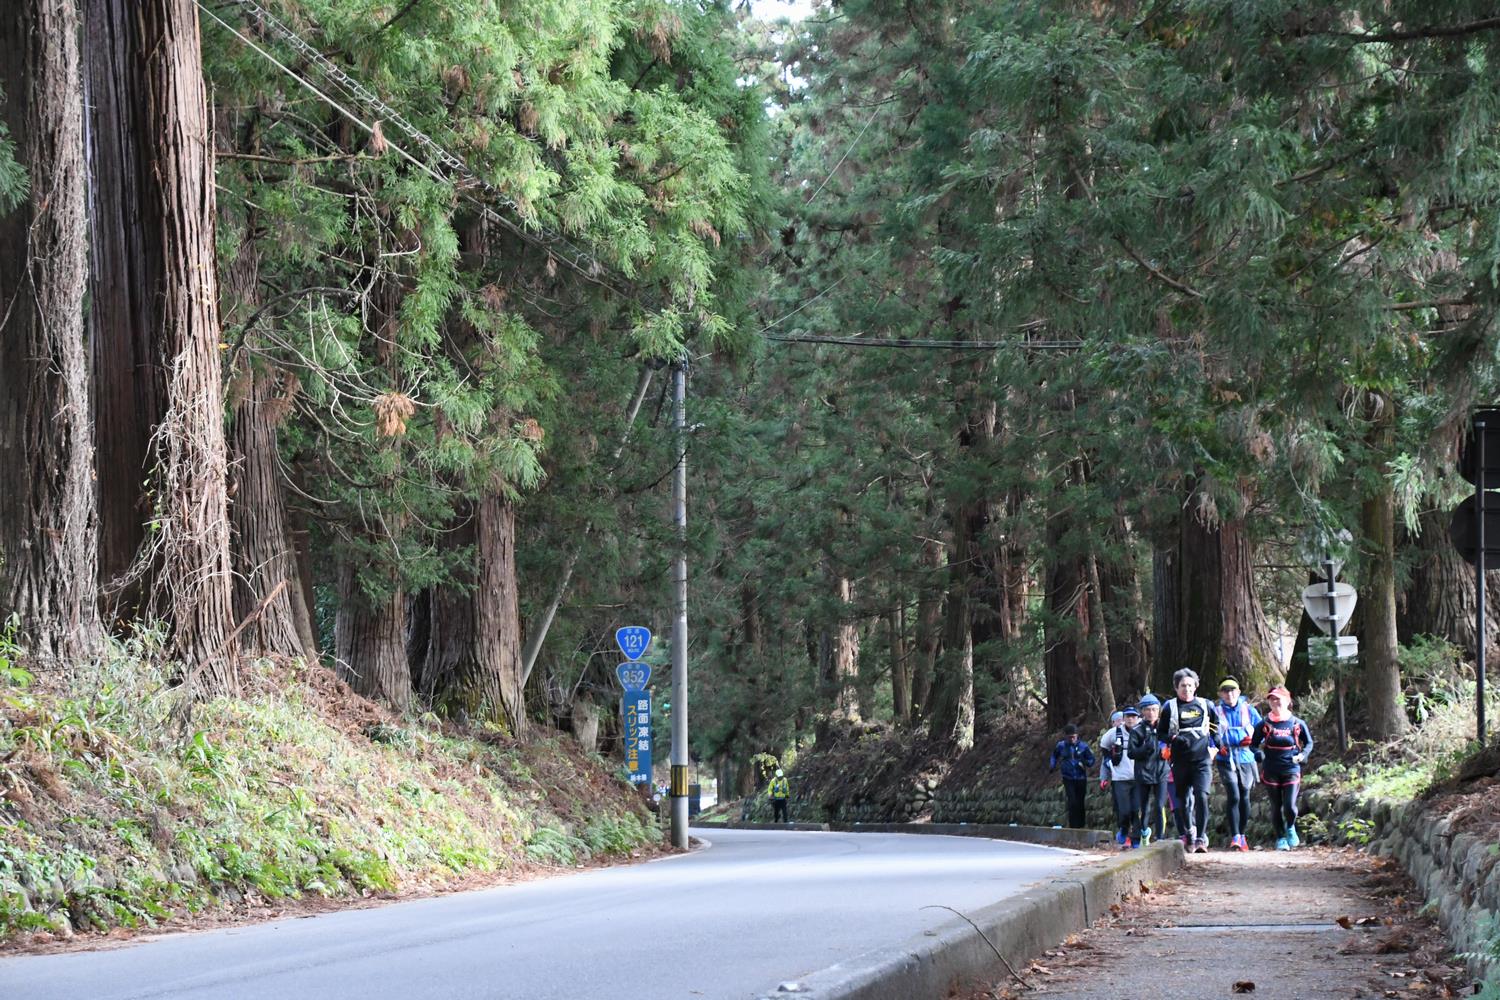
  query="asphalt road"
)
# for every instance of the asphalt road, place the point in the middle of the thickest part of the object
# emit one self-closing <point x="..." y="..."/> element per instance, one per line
<point x="756" y="909"/>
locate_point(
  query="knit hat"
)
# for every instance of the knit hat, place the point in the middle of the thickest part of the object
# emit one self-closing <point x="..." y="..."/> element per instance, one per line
<point x="1283" y="694"/>
<point x="1150" y="701"/>
<point x="1070" y="730"/>
<point x="1132" y="710"/>
<point x="1229" y="684"/>
<point x="1116" y="717"/>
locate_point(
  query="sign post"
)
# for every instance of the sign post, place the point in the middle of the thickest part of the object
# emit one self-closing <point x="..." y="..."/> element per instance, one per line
<point x="635" y="703"/>
<point x="1330" y="605"/>
<point x="1475" y="530"/>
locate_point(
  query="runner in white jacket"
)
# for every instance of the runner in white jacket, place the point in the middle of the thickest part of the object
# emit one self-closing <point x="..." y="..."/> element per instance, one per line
<point x="1115" y="743"/>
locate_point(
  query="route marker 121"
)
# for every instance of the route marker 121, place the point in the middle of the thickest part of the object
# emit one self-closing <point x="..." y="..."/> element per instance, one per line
<point x="633" y="641"/>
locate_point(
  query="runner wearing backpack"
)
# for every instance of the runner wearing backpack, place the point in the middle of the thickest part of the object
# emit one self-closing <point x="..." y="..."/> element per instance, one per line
<point x="1287" y="743"/>
<point x="1114" y="745"/>
<point x="1187" y="728"/>
<point x="1150" y="772"/>
<point x="1234" y="759"/>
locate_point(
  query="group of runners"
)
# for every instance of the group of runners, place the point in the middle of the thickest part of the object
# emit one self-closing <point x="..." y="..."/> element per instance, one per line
<point x="1160" y="757"/>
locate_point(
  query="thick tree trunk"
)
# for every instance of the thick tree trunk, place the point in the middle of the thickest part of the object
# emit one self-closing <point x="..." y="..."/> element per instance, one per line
<point x="929" y="629"/>
<point x="153" y="68"/>
<point x="1076" y="660"/>
<point x="1440" y="597"/>
<point x="126" y="276"/>
<point x="1384" y="702"/>
<point x="368" y="640"/>
<point x="1129" y="643"/>
<point x="1067" y="664"/>
<point x="48" y="514"/>
<point x="900" y="667"/>
<point x="473" y="654"/>
<point x="951" y="716"/>
<point x="1101" y="677"/>
<point x="268" y="585"/>
<point x="498" y="679"/>
<point x="1207" y="591"/>
<point x="1166" y="626"/>
<point x="843" y="662"/>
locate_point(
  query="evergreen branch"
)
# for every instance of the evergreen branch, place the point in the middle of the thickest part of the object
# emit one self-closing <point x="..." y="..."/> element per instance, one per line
<point x="1157" y="273"/>
<point x="1417" y="34"/>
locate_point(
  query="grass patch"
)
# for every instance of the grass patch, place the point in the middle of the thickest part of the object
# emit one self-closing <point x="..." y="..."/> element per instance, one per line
<point x="113" y="813"/>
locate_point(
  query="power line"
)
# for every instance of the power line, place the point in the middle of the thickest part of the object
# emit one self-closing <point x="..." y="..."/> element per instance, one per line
<point x="933" y="345"/>
<point x="557" y="246"/>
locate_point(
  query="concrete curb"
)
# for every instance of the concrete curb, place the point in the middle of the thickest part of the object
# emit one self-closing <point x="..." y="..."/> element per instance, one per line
<point x="1021" y="927"/>
<point x="1050" y="836"/>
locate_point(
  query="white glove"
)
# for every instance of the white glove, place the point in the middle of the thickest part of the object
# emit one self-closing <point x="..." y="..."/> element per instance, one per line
<point x="1299" y="758"/>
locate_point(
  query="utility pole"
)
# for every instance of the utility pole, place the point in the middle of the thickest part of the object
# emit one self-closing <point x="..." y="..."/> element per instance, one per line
<point x="1480" y="627"/>
<point x="679" y="789"/>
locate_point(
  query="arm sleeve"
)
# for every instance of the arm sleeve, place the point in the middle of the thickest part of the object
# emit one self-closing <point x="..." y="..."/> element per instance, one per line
<point x="1140" y="747"/>
<point x="1164" y="725"/>
<point x="1260" y="734"/>
<point x="1088" y="755"/>
<point x="1052" y="761"/>
<point x="1307" y="747"/>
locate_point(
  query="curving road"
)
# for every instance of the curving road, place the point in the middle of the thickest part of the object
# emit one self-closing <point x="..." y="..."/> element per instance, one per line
<point x="733" y="921"/>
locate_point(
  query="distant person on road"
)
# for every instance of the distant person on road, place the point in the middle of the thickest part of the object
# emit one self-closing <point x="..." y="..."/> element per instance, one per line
<point x="1286" y="743"/>
<point x="1075" y="758"/>
<point x="1235" y="760"/>
<point x="1115" y="745"/>
<point x="1186" y="727"/>
<point x="1150" y="772"/>
<point x="780" y="791"/>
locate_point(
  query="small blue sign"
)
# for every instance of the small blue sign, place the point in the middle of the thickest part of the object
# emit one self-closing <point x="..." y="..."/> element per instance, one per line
<point x="633" y="676"/>
<point x="633" y="640"/>
<point x="636" y="709"/>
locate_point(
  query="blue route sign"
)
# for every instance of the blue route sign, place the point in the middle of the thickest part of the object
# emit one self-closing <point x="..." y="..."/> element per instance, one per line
<point x="633" y="640"/>
<point x="633" y="676"/>
<point x="636" y="708"/>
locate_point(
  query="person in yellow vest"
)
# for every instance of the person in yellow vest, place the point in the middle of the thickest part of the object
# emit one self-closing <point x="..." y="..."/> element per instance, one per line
<point x="780" y="792"/>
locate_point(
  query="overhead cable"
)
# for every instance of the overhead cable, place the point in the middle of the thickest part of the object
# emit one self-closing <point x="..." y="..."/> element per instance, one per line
<point x="454" y="170"/>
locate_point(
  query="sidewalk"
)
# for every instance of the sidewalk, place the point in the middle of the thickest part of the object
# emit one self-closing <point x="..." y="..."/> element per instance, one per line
<point x="1312" y="924"/>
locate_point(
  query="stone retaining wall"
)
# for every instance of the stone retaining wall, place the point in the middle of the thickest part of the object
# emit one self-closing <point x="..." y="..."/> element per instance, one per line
<point x="1457" y="872"/>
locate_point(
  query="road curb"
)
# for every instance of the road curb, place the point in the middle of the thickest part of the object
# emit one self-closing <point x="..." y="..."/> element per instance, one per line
<point x="1050" y="836"/>
<point x="1021" y="928"/>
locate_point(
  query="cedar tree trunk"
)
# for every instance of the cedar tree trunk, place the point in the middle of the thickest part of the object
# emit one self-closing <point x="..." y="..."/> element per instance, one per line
<point x="48" y="517"/>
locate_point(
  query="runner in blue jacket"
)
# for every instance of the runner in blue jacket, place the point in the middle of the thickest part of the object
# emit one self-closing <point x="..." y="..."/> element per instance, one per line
<point x="1075" y="758"/>
<point x="1234" y="758"/>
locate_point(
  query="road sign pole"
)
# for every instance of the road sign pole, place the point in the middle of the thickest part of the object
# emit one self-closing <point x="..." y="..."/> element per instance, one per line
<point x="1333" y="626"/>
<point x="1480" y="506"/>
<point x="679" y="789"/>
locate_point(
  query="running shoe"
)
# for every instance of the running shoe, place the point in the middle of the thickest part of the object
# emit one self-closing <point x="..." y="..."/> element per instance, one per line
<point x="1242" y="842"/>
<point x="1282" y="845"/>
<point x="1292" y="840"/>
<point x="1200" y="846"/>
<point x="1119" y="838"/>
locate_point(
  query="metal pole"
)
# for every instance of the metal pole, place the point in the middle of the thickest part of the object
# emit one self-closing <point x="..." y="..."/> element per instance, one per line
<point x="679" y="788"/>
<point x="1338" y="665"/>
<point x="1479" y="622"/>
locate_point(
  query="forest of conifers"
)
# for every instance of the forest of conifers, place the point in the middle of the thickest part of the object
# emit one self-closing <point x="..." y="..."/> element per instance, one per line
<point x="1036" y="348"/>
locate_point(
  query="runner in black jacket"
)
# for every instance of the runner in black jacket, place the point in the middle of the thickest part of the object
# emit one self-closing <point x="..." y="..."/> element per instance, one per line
<point x="1150" y="772"/>
<point x="1187" y="727"/>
